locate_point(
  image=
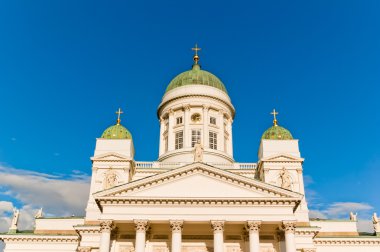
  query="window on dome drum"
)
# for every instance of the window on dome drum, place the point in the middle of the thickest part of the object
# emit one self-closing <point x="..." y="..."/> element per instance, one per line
<point x="213" y="140"/>
<point x="213" y="120"/>
<point x="179" y="140"/>
<point x="179" y="120"/>
<point x="195" y="136"/>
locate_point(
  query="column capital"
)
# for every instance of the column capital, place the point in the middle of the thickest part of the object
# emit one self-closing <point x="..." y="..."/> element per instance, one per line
<point x="141" y="225"/>
<point x="253" y="226"/>
<point x="171" y="112"/>
<point x="106" y="226"/>
<point x="176" y="225"/>
<point x="84" y="249"/>
<point x="289" y="226"/>
<point x="205" y="107"/>
<point x="217" y="226"/>
<point x="186" y="107"/>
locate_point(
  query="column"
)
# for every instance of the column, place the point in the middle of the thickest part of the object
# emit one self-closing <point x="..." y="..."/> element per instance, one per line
<point x="218" y="227"/>
<point x="176" y="226"/>
<point x="205" y="127"/>
<point x="141" y="226"/>
<point x="229" y="130"/>
<point x="170" y="131"/>
<point x="162" y="140"/>
<point x="253" y="227"/>
<point x="221" y="132"/>
<point x="289" y="228"/>
<point x="106" y="227"/>
<point x="186" y="132"/>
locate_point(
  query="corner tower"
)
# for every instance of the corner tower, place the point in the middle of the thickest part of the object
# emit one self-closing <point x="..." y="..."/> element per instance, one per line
<point x="196" y="107"/>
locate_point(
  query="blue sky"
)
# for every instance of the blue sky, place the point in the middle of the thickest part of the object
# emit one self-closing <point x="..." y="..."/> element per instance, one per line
<point x="66" y="66"/>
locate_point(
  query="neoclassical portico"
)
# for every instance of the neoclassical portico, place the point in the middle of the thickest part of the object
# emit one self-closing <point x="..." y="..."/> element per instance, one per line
<point x="217" y="227"/>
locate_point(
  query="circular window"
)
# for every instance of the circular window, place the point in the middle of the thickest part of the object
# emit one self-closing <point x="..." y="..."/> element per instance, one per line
<point x="196" y="118"/>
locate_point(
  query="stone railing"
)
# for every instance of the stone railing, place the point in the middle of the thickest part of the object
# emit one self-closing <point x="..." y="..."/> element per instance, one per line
<point x="173" y="165"/>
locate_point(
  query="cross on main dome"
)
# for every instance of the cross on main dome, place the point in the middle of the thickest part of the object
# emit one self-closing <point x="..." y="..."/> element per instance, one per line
<point x="196" y="76"/>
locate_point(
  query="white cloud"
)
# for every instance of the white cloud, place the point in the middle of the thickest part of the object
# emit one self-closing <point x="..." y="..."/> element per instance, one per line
<point x="59" y="196"/>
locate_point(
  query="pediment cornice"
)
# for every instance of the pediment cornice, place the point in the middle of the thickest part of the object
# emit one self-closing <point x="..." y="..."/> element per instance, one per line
<point x="111" y="156"/>
<point x="282" y="158"/>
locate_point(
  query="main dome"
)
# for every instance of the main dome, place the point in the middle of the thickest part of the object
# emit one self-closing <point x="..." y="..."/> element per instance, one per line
<point x="196" y="76"/>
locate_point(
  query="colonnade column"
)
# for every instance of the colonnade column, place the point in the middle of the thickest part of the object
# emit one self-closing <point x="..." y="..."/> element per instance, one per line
<point x="162" y="140"/>
<point x="221" y="134"/>
<point x="229" y="130"/>
<point x="171" y="139"/>
<point x="206" y="122"/>
<point x="141" y="227"/>
<point x="176" y="226"/>
<point x="106" y="227"/>
<point x="289" y="228"/>
<point x="253" y="227"/>
<point x="186" y="133"/>
<point x="218" y="227"/>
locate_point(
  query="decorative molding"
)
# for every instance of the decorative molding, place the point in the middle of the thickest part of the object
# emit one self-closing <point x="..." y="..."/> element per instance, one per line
<point x="141" y="225"/>
<point x="253" y="226"/>
<point x="196" y="202"/>
<point x="217" y="226"/>
<point x="38" y="239"/>
<point x="347" y="241"/>
<point x="106" y="226"/>
<point x="176" y="225"/>
<point x="289" y="226"/>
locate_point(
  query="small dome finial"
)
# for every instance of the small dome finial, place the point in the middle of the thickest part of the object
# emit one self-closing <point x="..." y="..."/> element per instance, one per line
<point x="196" y="57"/>
<point x="119" y="112"/>
<point x="274" y="113"/>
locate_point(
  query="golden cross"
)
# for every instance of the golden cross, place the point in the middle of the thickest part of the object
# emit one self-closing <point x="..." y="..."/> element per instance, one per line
<point x="119" y="112"/>
<point x="196" y="57"/>
<point x="274" y="113"/>
<point x="196" y="49"/>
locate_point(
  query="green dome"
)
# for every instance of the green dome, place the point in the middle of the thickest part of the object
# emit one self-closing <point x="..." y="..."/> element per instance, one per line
<point x="196" y="76"/>
<point x="277" y="133"/>
<point x="116" y="131"/>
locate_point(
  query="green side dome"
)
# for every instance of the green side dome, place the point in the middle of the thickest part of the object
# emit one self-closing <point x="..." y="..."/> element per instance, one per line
<point x="277" y="133"/>
<point x="116" y="131"/>
<point x="196" y="76"/>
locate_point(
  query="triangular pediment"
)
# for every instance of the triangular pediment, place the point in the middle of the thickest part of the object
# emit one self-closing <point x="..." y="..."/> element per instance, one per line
<point x="282" y="158"/>
<point x="197" y="181"/>
<point x="110" y="156"/>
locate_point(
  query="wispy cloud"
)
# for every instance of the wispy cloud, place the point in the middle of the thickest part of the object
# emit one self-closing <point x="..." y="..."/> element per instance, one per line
<point x="59" y="195"/>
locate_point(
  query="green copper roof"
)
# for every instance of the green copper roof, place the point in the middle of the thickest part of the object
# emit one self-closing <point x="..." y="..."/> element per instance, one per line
<point x="196" y="76"/>
<point x="116" y="131"/>
<point x="277" y="133"/>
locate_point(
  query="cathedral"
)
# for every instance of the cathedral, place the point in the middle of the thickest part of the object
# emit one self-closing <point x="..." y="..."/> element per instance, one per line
<point x="195" y="197"/>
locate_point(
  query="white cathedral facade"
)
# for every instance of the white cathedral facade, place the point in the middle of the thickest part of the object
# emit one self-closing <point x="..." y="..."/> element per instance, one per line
<point x="195" y="197"/>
